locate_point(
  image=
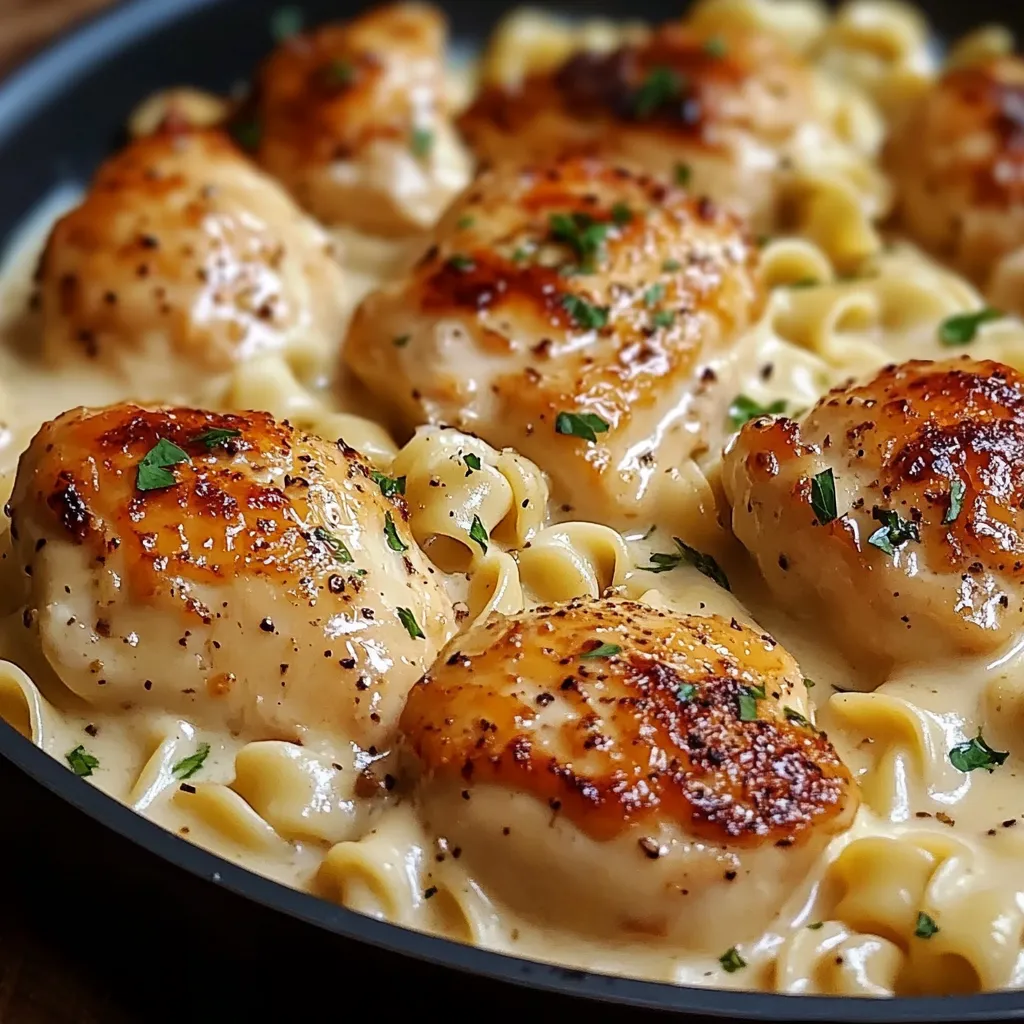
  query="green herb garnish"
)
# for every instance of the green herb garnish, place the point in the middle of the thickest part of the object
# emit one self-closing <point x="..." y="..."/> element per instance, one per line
<point x="654" y="294"/>
<point x="660" y="86"/>
<point x="961" y="328"/>
<point x="337" y="74"/>
<point x="412" y="627"/>
<point x="188" y="766"/>
<point x="662" y="562"/>
<point x="683" y="174"/>
<point x="580" y="424"/>
<point x="671" y="266"/>
<point x="894" y="532"/>
<point x="478" y="533"/>
<point x="685" y="692"/>
<point x="334" y="544"/>
<point x="792" y="715"/>
<point x="743" y="409"/>
<point x="957" y="490"/>
<point x="81" y="761"/>
<point x="621" y="214"/>
<point x="465" y="222"/>
<point x="215" y="436"/>
<point x="394" y="541"/>
<point x="603" y="651"/>
<point x="152" y="473"/>
<point x="389" y="485"/>
<point x="472" y="461"/>
<point x="731" y="961"/>
<point x="716" y="47"/>
<point x="459" y="261"/>
<point x="421" y="142"/>
<point x="663" y="318"/>
<point x="585" y="314"/>
<point x="976" y="753"/>
<point x="584" y="235"/>
<point x="926" y="926"/>
<point x="823" y="496"/>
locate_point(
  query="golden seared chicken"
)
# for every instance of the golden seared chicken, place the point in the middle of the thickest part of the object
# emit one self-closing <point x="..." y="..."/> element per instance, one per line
<point x="566" y="311"/>
<point x="225" y="568"/>
<point x="614" y="769"/>
<point x="182" y="260"/>
<point x="721" y="112"/>
<point x="958" y="165"/>
<point x="353" y="119"/>
<point x="892" y="513"/>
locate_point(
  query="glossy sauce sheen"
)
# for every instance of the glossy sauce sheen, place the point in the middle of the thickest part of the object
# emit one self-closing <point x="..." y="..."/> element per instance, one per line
<point x="768" y="736"/>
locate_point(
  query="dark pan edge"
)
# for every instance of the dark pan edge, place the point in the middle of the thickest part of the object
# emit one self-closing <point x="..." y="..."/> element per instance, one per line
<point x="29" y="88"/>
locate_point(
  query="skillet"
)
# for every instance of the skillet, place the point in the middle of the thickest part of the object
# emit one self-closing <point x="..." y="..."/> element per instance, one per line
<point x="179" y="932"/>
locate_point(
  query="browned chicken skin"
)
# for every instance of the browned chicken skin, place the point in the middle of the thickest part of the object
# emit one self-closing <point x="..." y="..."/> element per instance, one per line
<point x="352" y="117"/>
<point x="574" y="288"/>
<point x="223" y="566"/>
<point x="181" y="260"/>
<point x="718" y="110"/>
<point x="655" y="736"/>
<point x="958" y="165"/>
<point x="926" y="552"/>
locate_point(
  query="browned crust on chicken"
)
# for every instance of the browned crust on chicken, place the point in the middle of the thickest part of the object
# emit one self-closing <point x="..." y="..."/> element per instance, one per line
<point x="652" y="730"/>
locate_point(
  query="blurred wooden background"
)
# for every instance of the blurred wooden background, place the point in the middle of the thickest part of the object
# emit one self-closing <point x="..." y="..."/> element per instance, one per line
<point x="26" y="25"/>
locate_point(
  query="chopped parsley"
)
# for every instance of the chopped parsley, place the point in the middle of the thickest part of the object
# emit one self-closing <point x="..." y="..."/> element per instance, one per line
<point x="521" y="254"/>
<point x="472" y="461"/>
<point x="662" y="562"/>
<point x="747" y="702"/>
<point x="661" y="86"/>
<point x="421" y="142"/>
<point x="389" y="485"/>
<point x="621" y="214"/>
<point x="663" y="318"/>
<point x="894" y="532"/>
<point x="394" y="541"/>
<point x="602" y="651"/>
<point x="479" y="533"/>
<point x="337" y="74"/>
<point x="685" y="692"/>
<point x="716" y="47"/>
<point x="744" y="408"/>
<point x="585" y="314"/>
<point x="957" y="490"/>
<point x="792" y="715"/>
<point x="581" y="233"/>
<point x="926" y="926"/>
<point x="814" y="926"/>
<point x="809" y="683"/>
<point x="188" y="766"/>
<point x="976" y="753"/>
<point x="682" y="174"/>
<point x="334" y="544"/>
<point x="671" y="266"/>
<point x="459" y="261"/>
<point x="285" y="22"/>
<point x="823" y="496"/>
<point x="153" y="473"/>
<point x="412" y="627"/>
<point x="401" y="341"/>
<point x="580" y="424"/>
<point x="654" y="294"/>
<point x="247" y="132"/>
<point x="215" y="436"/>
<point x="961" y="328"/>
<point x="81" y="761"/>
<point x="731" y="961"/>
<point x="465" y="222"/>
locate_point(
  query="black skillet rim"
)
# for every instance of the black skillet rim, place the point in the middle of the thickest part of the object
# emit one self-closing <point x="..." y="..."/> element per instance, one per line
<point x="25" y="91"/>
